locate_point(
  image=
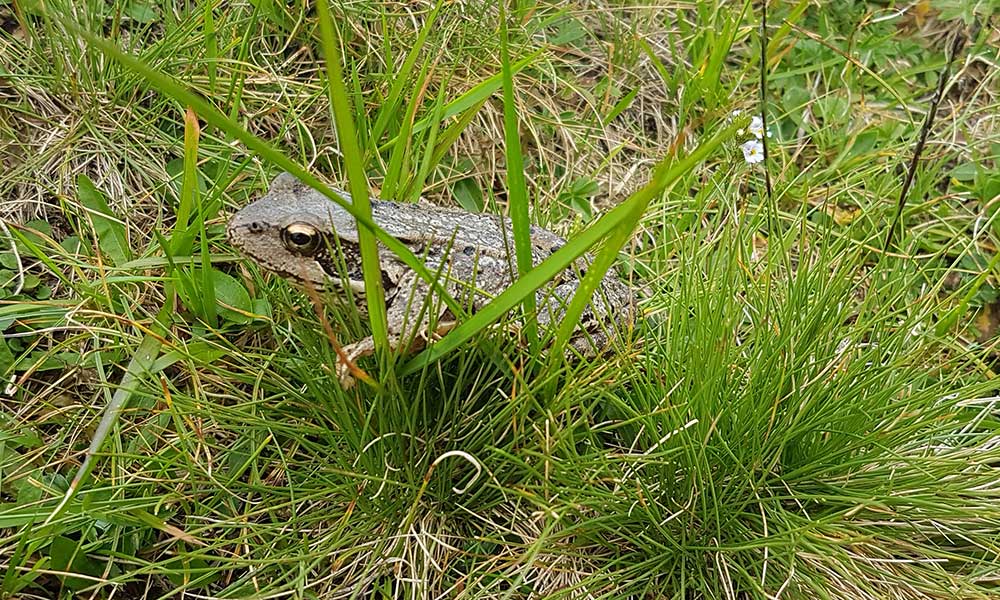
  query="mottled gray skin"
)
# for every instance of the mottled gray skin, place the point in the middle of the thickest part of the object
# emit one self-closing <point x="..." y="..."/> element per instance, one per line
<point x="474" y="253"/>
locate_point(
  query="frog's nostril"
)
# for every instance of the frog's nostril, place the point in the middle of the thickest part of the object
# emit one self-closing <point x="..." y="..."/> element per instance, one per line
<point x="256" y="227"/>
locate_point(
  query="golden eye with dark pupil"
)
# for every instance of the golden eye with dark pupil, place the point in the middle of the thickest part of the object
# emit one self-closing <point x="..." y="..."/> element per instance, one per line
<point x="301" y="238"/>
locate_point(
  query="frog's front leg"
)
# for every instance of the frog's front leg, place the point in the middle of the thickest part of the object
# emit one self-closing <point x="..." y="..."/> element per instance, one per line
<point x="408" y="322"/>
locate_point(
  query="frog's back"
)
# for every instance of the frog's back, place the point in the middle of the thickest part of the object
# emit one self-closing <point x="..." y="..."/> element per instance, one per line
<point x="464" y="231"/>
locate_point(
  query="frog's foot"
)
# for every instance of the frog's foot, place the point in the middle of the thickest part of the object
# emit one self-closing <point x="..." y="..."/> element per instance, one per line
<point x="346" y="363"/>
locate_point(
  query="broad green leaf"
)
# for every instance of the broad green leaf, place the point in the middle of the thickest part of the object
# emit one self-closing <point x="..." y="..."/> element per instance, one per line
<point x="6" y="359"/>
<point x="30" y="282"/>
<point x="68" y="556"/>
<point x="143" y="12"/>
<point x="44" y="228"/>
<point x="262" y="309"/>
<point x="965" y="171"/>
<point x="111" y="233"/>
<point x="229" y="292"/>
<point x="468" y="195"/>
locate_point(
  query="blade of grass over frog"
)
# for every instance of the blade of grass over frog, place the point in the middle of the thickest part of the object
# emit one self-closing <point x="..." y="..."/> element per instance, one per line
<point x="479" y="93"/>
<point x="667" y="171"/>
<point x="357" y="179"/>
<point x="387" y="107"/>
<point x="167" y="85"/>
<point x="517" y="193"/>
<point x="512" y="296"/>
<point x="137" y="370"/>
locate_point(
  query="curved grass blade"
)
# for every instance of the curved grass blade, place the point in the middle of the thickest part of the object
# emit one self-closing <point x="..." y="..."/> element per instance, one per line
<point x="140" y="367"/>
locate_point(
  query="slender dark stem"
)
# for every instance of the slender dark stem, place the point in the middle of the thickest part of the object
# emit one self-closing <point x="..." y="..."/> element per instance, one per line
<point x="957" y="42"/>
<point x="763" y="96"/>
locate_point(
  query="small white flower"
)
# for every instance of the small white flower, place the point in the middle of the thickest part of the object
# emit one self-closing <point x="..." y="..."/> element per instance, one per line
<point x="753" y="151"/>
<point x="757" y="127"/>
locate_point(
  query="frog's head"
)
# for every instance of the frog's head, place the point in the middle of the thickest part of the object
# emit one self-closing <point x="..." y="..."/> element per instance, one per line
<point x="291" y="230"/>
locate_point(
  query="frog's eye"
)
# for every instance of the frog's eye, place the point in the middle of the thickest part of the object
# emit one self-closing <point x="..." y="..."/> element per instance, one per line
<point x="301" y="238"/>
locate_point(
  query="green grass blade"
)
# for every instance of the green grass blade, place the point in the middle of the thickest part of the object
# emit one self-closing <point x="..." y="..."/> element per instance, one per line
<point x="479" y="93"/>
<point x="399" y="158"/>
<point x="135" y="373"/>
<point x="451" y="133"/>
<point x="620" y="106"/>
<point x="211" y="45"/>
<point x="181" y="241"/>
<point x="427" y="163"/>
<point x="517" y="193"/>
<point x="356" y="177"/>
<point x="388" y="107"/>
<point x="190" y="191"/>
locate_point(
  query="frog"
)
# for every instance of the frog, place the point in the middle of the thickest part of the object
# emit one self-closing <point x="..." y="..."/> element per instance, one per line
<point x="301" y="235"/>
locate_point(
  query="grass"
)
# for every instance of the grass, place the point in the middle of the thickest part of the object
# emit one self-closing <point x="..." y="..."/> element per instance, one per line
<point x="799" y="414"/>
